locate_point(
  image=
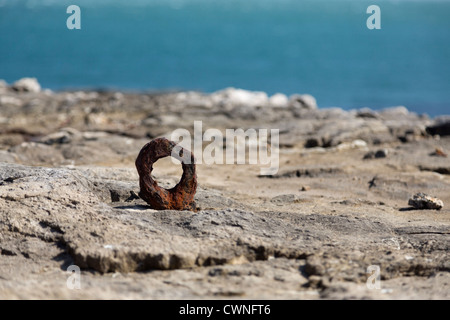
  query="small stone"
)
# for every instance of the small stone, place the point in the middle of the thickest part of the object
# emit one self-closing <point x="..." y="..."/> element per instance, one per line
<point x="285" y="199"/>
<point x="423" y="201"/>
<point x="306" y="188"/>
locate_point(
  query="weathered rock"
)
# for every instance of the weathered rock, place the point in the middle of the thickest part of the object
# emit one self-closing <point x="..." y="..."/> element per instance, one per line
<point x="11" y="139"/>
<point x="8" y="157"/>
<point x="423" y="201"/>
<point x="27" y="85"/>
<point x="66" y="198"/>
<point x="395" y="113"/>
<point x="355" y="144"/>
<point x="240" y="97"/>
<point x="303" y="101"/>
<point x="367" y="114"/>
<point x="10" y="101"/>
<point x="330" y="132"/>
<point x="278" y="100"/>
<point x="63" y="136"/>
<point x="37" y="154"/>
<point x="285" y="199"/>
<point x="251" y="238"/>
<point x="310" y="171"/>
<point x="194" y="99"/>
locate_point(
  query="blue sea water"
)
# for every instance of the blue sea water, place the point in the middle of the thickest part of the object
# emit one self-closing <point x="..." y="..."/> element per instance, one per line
<point x="323" y="48"/>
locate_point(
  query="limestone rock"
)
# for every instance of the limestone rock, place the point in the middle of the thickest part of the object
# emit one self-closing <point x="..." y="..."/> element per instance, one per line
<point x="239" y="97"/>
<point x="27" y="85"/>
<point x="303" y="101"/>
<point x="278" y="100"/>
<point x="12" y="101"/>
<point x="252" y="237"/>
<point x="423" y="201"/>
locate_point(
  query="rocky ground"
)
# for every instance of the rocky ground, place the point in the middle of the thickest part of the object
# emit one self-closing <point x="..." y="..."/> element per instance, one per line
<point x="338" y="204"/>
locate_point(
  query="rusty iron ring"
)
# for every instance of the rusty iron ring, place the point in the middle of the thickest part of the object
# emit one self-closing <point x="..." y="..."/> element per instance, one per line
<point x="180" y="197"/>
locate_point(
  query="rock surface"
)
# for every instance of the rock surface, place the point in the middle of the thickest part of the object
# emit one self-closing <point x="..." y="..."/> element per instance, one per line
<point x="68" y="196"/>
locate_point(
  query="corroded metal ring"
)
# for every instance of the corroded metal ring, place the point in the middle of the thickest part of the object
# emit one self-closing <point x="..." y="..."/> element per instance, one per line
<point x="180" y="197"/>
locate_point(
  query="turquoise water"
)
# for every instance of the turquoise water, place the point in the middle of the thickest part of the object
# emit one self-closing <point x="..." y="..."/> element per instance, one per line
<point x="319" y="47"/>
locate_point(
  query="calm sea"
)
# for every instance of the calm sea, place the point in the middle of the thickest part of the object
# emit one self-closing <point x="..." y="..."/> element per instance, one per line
<point x="323" y="48"/>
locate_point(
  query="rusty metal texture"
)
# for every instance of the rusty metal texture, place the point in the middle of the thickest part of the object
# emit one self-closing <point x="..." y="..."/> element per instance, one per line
<point x="180" y="197"/>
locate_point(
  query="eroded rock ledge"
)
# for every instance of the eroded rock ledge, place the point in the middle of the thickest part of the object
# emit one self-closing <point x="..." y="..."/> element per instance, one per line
<point x="68" y="190"/>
